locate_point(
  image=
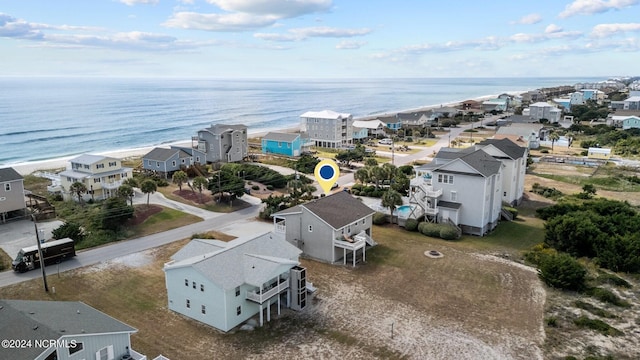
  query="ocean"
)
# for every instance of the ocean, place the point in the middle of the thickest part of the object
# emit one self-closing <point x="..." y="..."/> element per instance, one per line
<point x="46" y="118"/>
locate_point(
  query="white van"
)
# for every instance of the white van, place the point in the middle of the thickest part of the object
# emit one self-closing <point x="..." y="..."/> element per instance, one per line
<point x="385" y="141"/>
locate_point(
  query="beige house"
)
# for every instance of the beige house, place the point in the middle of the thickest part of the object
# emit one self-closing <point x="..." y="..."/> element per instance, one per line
<point x="101" y="175"/>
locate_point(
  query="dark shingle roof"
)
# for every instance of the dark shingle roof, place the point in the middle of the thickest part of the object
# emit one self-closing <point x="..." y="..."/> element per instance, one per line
<point x="477" y="159"/>
<point x="160" y="154"/>
<point x="39" y="320"/>
<point x="276" y="136"/>
<point x="449" y="204"/>
<point x="9" y="174"/>
<point x="221" y="128"/>
<point x="511" y="149"/>
<point x="337" y="210"/>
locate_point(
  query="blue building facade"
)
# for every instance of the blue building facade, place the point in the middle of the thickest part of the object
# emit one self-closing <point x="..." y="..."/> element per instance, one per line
<point x="282" y="144"/>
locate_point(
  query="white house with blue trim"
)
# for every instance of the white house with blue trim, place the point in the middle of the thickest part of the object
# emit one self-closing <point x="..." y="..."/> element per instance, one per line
<point x="223" y="284"/>
<point x="288" y="144"/>
<point x="631" y="122"/>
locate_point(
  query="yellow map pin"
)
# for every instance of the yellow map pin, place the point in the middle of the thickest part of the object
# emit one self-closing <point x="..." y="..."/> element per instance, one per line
<point x="327" y="173"/>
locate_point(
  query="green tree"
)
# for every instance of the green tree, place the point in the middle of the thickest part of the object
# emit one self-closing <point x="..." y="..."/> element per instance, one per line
<point x="179" y="177"/>
<point x="78" y="188"/>
<point x="363" y="175"/>
<point x="562" y="271"/>
<point x="553" y="136"/>
<point x="588" y="190"/>
<point x="71" y="230"/>
<point x="391" y="199"/>
<point x="200" y="183"/>
<point x="125" y="191"/>
<point x="131" y="182"/>
<point x="115" y="212"/>
<point x="370" y="162"/>
<point x="148" y="187"/>
<point x="307" y="164"/>
<point x="400" y="183"/>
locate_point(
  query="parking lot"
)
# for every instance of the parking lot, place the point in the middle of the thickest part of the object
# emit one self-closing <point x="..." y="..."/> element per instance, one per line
<point x="15" y="235"/>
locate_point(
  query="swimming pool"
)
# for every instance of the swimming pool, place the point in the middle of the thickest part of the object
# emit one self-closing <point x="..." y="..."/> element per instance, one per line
<point x="403" y="211"/>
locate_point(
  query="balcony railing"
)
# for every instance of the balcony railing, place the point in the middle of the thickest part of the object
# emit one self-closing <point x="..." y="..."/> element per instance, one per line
<point x="113" y="184"/>
<point x="266" y="294"/>
<point x="432" y="193"/>
<point x="431" y="211"/>
<point x="358" y="243"/>
<point x="281" y="228"/>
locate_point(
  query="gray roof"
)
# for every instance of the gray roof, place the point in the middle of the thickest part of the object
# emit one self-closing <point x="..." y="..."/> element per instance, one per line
<point x="511" y="149"/>
<point x="339" y="209"/>
<point x="284" y="137"/>
<point x="253" y="260"/>
<point x="39" y="320"/>
<point x="479" y="160"/>
<point x="87" y="159"/>
<point x="9" y="174"/>
<point x="163" y="154"/>
<point x="222" y="128"/>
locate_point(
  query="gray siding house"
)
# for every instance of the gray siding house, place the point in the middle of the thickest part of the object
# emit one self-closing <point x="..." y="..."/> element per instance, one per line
<point x="11" y="193"/>
<point x="327" y="128"/>
<point x="223" y="284"/>
<point x="514" y="160"/>
<point x="63" y="330"/>
<point x="166" y="161"/>
<point x="224" y="143"/>
<point x="328" y="229"/>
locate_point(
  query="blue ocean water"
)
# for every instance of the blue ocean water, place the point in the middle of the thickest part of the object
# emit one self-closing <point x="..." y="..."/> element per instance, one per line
<point x="44" y="118"/>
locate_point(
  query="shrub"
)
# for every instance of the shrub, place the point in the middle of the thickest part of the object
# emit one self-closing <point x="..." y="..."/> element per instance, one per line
<point x="562" y="271"/>
<point x="162" y="183"/>
<point x="538" y="252"/>
<point x="606" y="278"/>
<point x="552" y="321"/>
<point x="69" y="230"/>
<point x="269" y="187"/>
<point x="448" y="233"/>
<point x="593" y="309"/>
<point x="513" y="211"/>
<point x="355" y="192"/>
<point x="411" y="225"/>
<point x="607" y="296"/>
<point x="429" y="229"/>
<point x="597" y="325"/>
<point x="544" y="151"/>
<point x="379" y="218"/>
<point x="255" y="187"/>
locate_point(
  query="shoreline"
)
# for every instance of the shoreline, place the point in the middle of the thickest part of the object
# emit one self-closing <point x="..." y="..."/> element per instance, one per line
<point x="29" y="167"/>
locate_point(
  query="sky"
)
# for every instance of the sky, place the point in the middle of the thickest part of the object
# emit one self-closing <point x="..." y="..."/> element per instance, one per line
<point x="319" y="38"/>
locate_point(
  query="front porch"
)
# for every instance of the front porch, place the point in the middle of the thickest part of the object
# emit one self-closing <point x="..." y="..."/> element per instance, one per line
<point x="269" y="294"/>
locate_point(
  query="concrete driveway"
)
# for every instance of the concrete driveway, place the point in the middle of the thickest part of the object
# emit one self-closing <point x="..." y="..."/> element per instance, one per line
<point x="15" y="235"/>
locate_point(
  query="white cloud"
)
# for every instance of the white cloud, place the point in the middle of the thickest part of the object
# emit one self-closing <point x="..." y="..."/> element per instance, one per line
<point x="300" y="34"/>
<point x="279" y="8"/>
<point x="529" y="19"/>
<point x="590" y="7"/>
<point x="135" y="2"/>
<point x="552" y="28"/>
<point x="219" y="22"/>
<point x="606" y="30"/>
<point x="350" y="45"/>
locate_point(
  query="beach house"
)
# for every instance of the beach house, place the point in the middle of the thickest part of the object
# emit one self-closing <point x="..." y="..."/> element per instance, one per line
<point x="543" y="110"/>
<point x="328" y="129"/>
<point x="11" y="194"/>
<point x="223" y="143"/>
<point x="497" y="104"/>
<point x="63" y="330"/>
<point x="374" y="128"/>
<point x="223" y="284"/>
<point x="165" y="162"/>
<point x="514" y="162"/>
<point x="598" y="153"/>
<point x="287" y="144"/>
<point x="329" y="229"/>
<point x="462" y="187"/>
<point x="101" y="175"/>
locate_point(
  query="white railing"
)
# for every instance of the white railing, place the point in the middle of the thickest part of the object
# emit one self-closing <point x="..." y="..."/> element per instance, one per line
<point x="114" y="184"/>
<point x="358" y="243"/>
<point x="136" y="355"/>
<point x="280" y="228"/>
<point x="263" y="296"/>
<point x="433" y="193"/>
<point x="431" y="211"/>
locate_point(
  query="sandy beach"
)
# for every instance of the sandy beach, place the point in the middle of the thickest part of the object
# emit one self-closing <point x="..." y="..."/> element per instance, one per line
<point x="27" y="168"/>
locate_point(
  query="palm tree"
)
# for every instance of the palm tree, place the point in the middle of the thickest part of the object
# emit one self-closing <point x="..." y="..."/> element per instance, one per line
<point x="363" y="175"/>
<point x="553" y="136"/>
<point x="391" y="199"/>
<point x="126" y="191"/>
<point x="148" y="187"/>
<point x="179" y="177"/>
<point x="78" y="188"/>
<point x="570" y="135"/>
<point x="200" y="183"/>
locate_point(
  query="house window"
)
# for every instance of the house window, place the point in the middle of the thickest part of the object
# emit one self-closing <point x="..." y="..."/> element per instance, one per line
<point x="99" y="166"/>
<point x="157" y="163"/>
<point x="106" y="353"/>
<point x="454" y="196"/>
<point x="204" y="309"/>
<point x="173" y="163"/>
<point x="505" y="193"/>
<point x="112" y="163"/>
<point x="182" y="162"/>
<point x="74" y="348"/>
<point x="238" y="291"/>
<point x="197" y="158"/>
<point x="194" y="284"/>
<point x="188" y="304"/>
<point x="279" y="144"/>
<point x="7" y="187"/>
<point x="87" y="167"/>
<point x="445" y="179"/>
<point x="239" y="310"/>
<point x="310" y="228"/>
<point x="186" y="282"/>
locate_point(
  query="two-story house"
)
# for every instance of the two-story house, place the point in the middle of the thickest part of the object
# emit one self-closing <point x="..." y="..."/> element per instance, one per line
<point x="224" y="143"/>
<point x="514" y="161"/>
<point x="461" y="186"/>
<point x="101" y="175"/>
<point x="165" y="161"/>
<point x="328" y="129"/>
<point x="328" y="229"/>
<point x="543" y="110"/>
<point x="223" y="284"/>
<point x="11" y="194"/>
<point x="374" y="127"/>
<point x="63" y="330"/>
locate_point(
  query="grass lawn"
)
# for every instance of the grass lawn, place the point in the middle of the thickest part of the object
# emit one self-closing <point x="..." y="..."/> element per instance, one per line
<point x="221" y="207"/>
<point x="5" y="261"/>
<point x="165" y="220"/>
<point x="36" y="185"/>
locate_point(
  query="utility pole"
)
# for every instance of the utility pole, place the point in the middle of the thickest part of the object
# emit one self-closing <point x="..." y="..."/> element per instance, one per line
<point x="219" y="188"/>
<point x="44" y="275"/>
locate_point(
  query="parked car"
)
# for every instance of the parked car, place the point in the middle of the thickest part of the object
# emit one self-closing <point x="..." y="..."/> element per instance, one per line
<point x="385" y="141"/>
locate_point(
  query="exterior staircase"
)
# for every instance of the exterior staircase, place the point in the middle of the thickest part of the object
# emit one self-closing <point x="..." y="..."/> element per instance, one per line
<point x="506" y="214"/>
